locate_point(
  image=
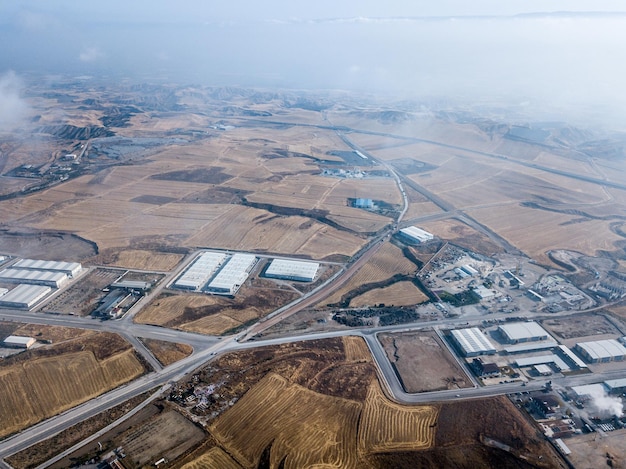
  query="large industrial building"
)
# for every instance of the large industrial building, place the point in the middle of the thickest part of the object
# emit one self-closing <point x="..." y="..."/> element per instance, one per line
<point x="16" y="341"/>
<point x="292" y="270"/>
<point x="71" y="269"/>
<point x="601" y="351"/>
<point x="472" y="342"/>
<point x="34" y="277"/>
<point x="417" y="235"/>
<point x="232" y="275"/>
<point x="518" y="332"/>
<point x="24" y="296"/>
<point x="200" y="271"/>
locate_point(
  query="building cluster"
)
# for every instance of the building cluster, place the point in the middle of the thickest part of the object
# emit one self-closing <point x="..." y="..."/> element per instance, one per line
<point x="35" y="279"/>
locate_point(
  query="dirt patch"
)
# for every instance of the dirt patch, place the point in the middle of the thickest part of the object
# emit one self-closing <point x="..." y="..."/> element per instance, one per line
<point x="48" y="246"/>
<point x="153" y="199"/>
<point x="422" y="362"/>
<point x="217" y="195"/>
<point x="584" y="325"/>
<point x="167" y="352"/>
<point x="212" y="175"/>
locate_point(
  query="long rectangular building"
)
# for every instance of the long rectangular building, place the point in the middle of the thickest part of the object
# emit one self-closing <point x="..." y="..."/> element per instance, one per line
<point x="24" y="296"/>
<point x="71" y="269"/>
<point x="34" y="277"/>
<point x="416" y="234"/>
<point x="233" y="274"/>
<point x="472" y="342"/>
<point x="292" y="270"/>
<point x="16" y="341"/>
<point x="601" y="351"/>
<point x="518" y="332"/>
<point x="200" y="271"/>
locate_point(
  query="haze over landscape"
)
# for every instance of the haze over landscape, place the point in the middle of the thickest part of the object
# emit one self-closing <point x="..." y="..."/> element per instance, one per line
<point x="277" y="235"/>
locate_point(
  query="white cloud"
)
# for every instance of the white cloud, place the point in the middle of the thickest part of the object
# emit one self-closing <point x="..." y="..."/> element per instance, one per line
<point x="90" y="54"/>
<point x="12" y="107"/>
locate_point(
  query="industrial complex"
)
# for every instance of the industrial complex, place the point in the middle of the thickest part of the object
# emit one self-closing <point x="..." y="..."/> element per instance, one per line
<point x="472" y="342"/>
<point x="232" y="275"/>
<point x="416" y="235"/>
<point x="200" y="271"/>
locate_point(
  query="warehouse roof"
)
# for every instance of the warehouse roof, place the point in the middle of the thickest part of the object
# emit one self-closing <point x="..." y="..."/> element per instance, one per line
<point x="615" y="383"/>
<point x="33" y="275"/>
<point x="599" y="349"/>
<point x="417" y="233"/>
<point x="19" y="340"/>
<point x="291" y="268"/>
<point x="234" y="273"/>
<point x="523" y="330"/>
<point x="25" y="294"/>
<point x="551" y="358"/>
<point x="47" y="265"/>
<point x="201" y="270"/>
<point x="472" y="340"/>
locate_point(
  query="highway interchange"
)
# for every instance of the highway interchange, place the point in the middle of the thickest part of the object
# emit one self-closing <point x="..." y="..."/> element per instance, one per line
<point x="206" y="348"/>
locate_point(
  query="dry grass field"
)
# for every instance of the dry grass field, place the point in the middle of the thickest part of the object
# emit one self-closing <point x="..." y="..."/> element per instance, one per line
<point x="214" y="458"/>
<point x="139" y="260"/>
<point x="536" y="231"/>
<point x="43" y="382"/>
<point x="422" y="362"/>
<point x="462" y="235"/>
<point x="398" y="294"/>
<point x="322" y="428"/>
<point x="167" y="352"/>
<point x="387" y="262"/>
<point x="387" y="426"/>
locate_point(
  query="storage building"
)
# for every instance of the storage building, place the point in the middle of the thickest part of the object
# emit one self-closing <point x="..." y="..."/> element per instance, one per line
<point x="469" y="270"/>
<point x="233" y="274"/>
<point x="292" y="270"/>
<point x="200" y="271"/>
<point x="472" y="342"/>
<point x="416" y="234"/>
<point x="131" y="285"/>
<point x="616" y="386"/>
<point x="523" y="332"/>
<point x="601" y="351"/>
<point x="34" y="277"/>
<point x="543" y="359"/>
<point x="16" y="341"/>
<point x="71" y="269"/>
<point x="24" y="296"/>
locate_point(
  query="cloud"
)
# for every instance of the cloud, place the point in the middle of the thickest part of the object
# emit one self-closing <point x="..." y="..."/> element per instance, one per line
<point x="605" y="404"/>
<point x="90" y="54"/>
<point x="12" y="107"/>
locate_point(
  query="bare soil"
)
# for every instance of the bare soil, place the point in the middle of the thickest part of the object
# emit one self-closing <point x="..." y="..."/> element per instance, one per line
<point x="48" y="246"/>
<point x="167" y="352"/>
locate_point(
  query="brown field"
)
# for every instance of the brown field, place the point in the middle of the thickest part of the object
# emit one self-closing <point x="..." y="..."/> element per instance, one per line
<point x="139" y="260"/>
<point x="387" y="262"/>
<point x="422" y="362"/>
<point x="214" y="315"/>
<point x="323" y="428"/>
<point x="465" y="236"/>
<point x="355" y="349"/>
<point x="589" y="451"/>
<point x="398" y="294"/>
<point x="167" y="435"/>
<point x="536" y="231"/>
<point x="167" y="352"/>
<point x="79" y="369"/>
<point x="387" y="426"/>
<point x="54" y="334"/>
<point x="213" y="458"/>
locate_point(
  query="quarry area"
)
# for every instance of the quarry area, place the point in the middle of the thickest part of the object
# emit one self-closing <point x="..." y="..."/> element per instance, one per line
<point x="224" y="277"/>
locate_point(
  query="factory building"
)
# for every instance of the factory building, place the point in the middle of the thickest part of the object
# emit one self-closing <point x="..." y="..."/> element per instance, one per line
<point x="363" y="203"/>
<point x="601" y="351"/>
<point x="518" y="332"/>
<point x="200" y="271"/>
<point x="24" y="296"/>
<point x="483" y="293"/>
<point x="472" y="342"/>
<point x="71" y="269"/>
<point x="131" y="285"/>
<point x="417" y="235"/>
<point x="232" y="275"/>
<point x="615" y="386"/>
<point x="292" y="270"/>
<point x="469" y="270"/>
<point x="34" y="277"/>
<point x="16" y="341"/>
<point x="543" y="360"/>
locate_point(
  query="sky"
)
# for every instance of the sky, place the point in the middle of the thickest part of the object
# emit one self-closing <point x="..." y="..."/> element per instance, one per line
<point x="549" y="53"/>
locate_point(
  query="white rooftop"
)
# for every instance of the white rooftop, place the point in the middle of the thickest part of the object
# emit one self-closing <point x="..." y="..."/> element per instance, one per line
<point x="201" y="270"/>
<point x="599" y="349"/>
<point x="523" y="330"/>
<point x="25" y="294"/>
<point x="234" y="273"/>
<point x="615" y="383"/>
<point x="473" y="340"/>
<point x="47" y="265"/>
<point x="33" y="275"/>
<point x="595" y="389"/>
<point x="19" y="340"/>
<point x="417" y="233"/>
<point x="551" y="358"/>
<point x="292" y="268"/>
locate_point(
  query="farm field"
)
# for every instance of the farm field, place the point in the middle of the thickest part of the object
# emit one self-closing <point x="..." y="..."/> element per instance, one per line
<point x="422" y="362"/>
<point x="398" y="294"/>
<point x="80" y="369"/>
<point x="167" y="352"/>
<point x="463" y="235"/>
<point x="139" y="260"/>
<point x="386" y="263"/>
<point x="536" y="231"/>
<point x="213" y="315"/>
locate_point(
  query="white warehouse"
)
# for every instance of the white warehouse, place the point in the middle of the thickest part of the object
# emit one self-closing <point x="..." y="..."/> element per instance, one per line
<point x="292" y="270"/>
<point x="601" y="351"/>
<point x="71" y="269"/>
<point x="472" y="342"/>
<point x="233" y="274"/>
<point x="518" y="332"/>
<point x="416" y="234"/>
<point x="24" y="296"/>
<point x="16" y="341"/>
<point x="200" y="271"/>
<point x="34" y="277"/>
